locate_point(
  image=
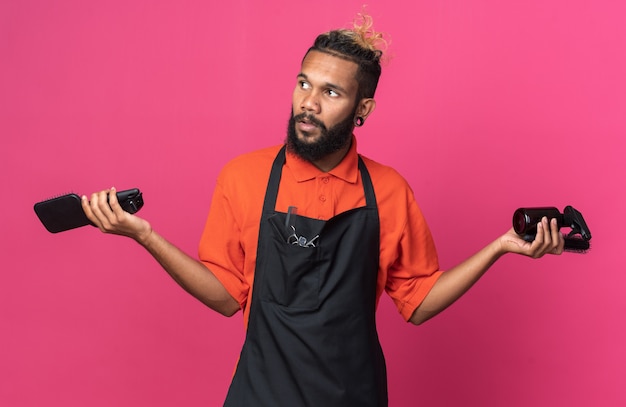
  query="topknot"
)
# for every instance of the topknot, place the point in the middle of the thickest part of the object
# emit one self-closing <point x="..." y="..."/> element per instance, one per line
<point x="364" y="35"/>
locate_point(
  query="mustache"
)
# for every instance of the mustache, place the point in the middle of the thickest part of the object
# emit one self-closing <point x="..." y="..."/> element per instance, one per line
<point x="310" y="118"/>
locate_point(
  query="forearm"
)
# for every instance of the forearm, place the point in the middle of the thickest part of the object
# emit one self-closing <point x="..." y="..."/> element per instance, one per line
<point x="188" y="272"/>
<point x="455" y="282"/>
<point x="193" y="276"/>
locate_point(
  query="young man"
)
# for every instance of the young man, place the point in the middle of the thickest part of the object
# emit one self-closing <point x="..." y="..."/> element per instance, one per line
<point x="305" y="237"/>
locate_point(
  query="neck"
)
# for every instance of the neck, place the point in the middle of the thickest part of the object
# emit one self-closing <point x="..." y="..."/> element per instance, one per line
<point x="331" y="160"/>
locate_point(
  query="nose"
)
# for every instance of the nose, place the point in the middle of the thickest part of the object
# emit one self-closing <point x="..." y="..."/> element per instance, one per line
<point x="310" y="103"/>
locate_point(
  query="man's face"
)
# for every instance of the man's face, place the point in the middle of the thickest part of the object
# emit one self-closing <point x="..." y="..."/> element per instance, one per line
<point x="324" y="105"/>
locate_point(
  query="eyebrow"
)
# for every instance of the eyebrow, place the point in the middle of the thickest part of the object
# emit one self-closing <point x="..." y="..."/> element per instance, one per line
<point x="328" y="84"/>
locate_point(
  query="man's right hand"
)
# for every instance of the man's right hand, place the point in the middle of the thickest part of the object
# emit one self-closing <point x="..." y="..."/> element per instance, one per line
<point x="105" y="212"/>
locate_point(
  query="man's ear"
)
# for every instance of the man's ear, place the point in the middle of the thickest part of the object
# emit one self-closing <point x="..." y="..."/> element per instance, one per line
<point x="366" y="107"/>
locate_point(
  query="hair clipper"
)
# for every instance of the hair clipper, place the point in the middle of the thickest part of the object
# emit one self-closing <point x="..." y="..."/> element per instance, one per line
<point x="525" y="224"/>
<point x="66" y="212"/>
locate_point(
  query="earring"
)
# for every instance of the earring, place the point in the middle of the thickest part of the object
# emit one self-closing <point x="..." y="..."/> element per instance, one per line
<point x="358" y="121"/>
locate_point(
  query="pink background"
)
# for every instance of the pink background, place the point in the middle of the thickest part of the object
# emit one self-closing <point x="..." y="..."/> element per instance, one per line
<point x="486" y="106"/>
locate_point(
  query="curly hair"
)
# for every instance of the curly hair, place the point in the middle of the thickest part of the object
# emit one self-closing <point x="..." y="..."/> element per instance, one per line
<point x="359" y="44"/>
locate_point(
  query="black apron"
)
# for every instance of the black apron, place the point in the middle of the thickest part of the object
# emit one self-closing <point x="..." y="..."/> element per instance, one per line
<point x="311" y="337"/>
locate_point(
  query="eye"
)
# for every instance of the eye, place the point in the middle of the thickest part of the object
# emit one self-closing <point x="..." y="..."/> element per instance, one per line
<point x="304" y="85"/>
<point x="332" y="93"/>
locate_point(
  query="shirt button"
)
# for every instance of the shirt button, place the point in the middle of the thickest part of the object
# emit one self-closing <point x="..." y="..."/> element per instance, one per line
<point x="325" y="180"/>
<point x="322" y="198"/>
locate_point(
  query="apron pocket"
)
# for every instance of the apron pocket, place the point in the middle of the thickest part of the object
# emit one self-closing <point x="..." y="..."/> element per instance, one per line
<point x="295" y="279"/>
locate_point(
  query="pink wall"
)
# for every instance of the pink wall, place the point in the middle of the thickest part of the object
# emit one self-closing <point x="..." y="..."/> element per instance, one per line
<point x="487" y="106"/>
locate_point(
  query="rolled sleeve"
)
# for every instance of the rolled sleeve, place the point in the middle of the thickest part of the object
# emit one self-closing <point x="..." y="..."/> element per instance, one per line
<point x="415" y="268"/>
<point x="220" y="249"/>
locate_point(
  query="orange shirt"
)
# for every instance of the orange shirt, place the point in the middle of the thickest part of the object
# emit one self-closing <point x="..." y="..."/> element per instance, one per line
<point x="408" y="265"/>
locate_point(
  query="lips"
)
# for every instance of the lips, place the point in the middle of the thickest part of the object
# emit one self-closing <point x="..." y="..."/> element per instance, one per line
<point x="306" y="124"/>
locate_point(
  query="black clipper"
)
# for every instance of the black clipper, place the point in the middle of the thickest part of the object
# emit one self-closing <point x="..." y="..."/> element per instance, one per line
<point x="525" y="224"/>
<point x="65" y="212"/>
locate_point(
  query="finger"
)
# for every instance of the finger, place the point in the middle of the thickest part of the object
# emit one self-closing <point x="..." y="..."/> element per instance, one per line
<point x="112" y="196"/>
<point x="555" y="234"/>
<point x="97" y="198"/>
<point x="84" y="202"/>
<point x="552" y="238"/>
<point x="114" y="203"/>
<point x="100" y="209"/>
<point x="561" y="243"/>
<point x="549" y="238"/>
<point x="543" y="239"/>
<point x="558" y="250"/>
<point x="547" y="234"/>
<point x="540" y="235"/>
<point x="559" y="240"/>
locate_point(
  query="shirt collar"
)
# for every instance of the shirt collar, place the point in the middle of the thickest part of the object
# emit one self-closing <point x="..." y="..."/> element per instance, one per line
<point x="347" y="169"/>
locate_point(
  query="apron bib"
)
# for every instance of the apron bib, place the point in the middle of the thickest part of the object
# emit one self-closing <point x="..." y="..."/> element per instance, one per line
<point x="311" y="337"/>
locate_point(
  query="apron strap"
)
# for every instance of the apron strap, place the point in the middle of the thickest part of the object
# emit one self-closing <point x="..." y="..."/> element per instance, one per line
<point x="271" y="193"/>
<point x="370" y="196"/>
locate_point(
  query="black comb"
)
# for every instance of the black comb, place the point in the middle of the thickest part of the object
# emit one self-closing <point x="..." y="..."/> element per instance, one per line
<point x="65" y="212"/>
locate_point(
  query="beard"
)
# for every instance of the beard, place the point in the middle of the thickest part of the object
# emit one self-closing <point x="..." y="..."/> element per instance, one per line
<point x="330" y="140"/>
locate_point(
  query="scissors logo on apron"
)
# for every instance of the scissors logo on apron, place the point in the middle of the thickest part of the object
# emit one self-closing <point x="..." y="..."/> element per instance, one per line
<point x="301" y="240"/>
<point x="292" y="236"/>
